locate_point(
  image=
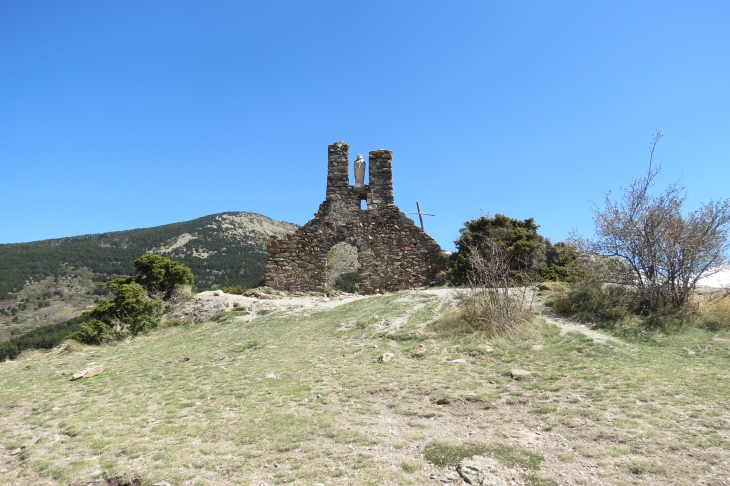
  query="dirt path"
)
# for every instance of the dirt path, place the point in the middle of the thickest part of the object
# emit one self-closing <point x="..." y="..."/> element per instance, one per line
<point x="565" y="324"/>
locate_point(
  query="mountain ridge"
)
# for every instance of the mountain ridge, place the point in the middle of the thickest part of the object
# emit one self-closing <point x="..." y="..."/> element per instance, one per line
<point x="48" y="281"/>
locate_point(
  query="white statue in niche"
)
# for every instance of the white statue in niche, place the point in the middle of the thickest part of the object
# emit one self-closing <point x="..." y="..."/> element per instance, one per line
<point x="359" y="171"/>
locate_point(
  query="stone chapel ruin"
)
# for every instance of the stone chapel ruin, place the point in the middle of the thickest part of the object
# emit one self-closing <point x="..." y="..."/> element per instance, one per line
<point x="392" y="252"/>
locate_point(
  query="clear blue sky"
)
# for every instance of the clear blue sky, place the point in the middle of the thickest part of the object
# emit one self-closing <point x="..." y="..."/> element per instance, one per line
<point x="120" y="115"/>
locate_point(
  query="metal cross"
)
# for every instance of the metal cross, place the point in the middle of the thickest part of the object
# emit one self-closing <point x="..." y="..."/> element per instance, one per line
<point x="421" y="215"/>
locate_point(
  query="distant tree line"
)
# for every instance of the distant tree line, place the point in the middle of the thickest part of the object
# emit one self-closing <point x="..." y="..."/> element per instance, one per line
<point x="110" y="255"/>
<point x="44" y="337"/>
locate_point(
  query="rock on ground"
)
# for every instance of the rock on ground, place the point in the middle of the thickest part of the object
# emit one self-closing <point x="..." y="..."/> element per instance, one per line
<point x="88" y="372"/>
<point x="480" y="471"/>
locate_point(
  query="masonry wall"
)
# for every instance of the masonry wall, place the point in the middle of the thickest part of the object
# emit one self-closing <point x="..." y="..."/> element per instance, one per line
<point x="393" y="253"/>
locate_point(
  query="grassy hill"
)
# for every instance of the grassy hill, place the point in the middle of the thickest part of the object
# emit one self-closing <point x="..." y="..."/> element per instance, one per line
<point x="300" y="396"/>
<point x="45" y="282"/>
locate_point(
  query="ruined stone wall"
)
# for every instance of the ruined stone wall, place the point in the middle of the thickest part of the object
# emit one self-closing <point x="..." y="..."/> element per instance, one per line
<point x="393" y="253"/>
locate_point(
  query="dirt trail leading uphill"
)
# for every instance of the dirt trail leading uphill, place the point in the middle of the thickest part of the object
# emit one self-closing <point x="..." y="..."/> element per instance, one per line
<point x="565" y="324"/>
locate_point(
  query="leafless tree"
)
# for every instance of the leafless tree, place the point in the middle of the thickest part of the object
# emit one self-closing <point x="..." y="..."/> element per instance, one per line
<point x="494" y="299"/>
<point x="666" y="250"/>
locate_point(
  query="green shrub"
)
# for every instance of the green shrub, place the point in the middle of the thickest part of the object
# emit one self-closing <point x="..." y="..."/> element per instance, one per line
<point x="530" y="255"/>
<point x="596" y="302"/>
<point x="101" y="290"/>
<point x="644" y="467"/>
<point x="347" y="282"/>
<point x="623" y="309"/>
<point x="131" y="310"/>
<point x="562" y="263"/>
<point x="173" y="323"/>
<point x="518" y="240"/>
<point x="445" y="453"/>
<point x="674" y="321"/>
<point x="411" y="466"/>
<point x="8" y="350"/>
<point x="92" y="332"/>
<point x="159" y="274"/>
<point x="238" y="290"/>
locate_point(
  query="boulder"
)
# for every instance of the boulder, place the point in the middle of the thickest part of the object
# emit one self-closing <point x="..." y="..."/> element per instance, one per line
<point x="480" y="471"/>
<point x="88" y="372"/>
<point x="518" y="374"/>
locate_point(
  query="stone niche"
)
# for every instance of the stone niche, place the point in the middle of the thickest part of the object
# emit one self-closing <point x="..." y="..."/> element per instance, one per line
<point x="392" y="252"/>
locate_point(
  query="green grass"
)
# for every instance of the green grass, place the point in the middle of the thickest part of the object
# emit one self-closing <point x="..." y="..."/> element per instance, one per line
<point x="450" y="453"/>
<point x="305" y="391"/>
<point x="411" y="466"/>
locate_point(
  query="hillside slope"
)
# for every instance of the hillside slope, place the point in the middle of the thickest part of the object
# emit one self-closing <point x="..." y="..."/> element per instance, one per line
<point x="301" y="395"/>
<point x="45" y="282"/>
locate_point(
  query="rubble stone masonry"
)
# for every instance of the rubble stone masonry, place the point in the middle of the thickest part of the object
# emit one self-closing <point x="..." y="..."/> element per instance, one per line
<point x="393" y="253"/>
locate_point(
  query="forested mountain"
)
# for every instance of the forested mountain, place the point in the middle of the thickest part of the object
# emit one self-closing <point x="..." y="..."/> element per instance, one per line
<point x="44" y="282"/>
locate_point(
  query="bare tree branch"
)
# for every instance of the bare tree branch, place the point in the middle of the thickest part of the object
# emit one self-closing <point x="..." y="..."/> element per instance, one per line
<point x="667" y="252"/>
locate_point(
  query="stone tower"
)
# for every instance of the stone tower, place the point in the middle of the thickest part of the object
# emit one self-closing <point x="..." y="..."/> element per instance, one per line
<point x="393" y="253"/>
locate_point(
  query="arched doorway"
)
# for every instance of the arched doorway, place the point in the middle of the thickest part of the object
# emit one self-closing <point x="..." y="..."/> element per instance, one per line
<point x="342" y="268"/>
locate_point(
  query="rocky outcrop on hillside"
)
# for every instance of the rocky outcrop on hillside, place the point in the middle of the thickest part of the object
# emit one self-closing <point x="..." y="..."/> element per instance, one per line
<point x="250" y="229"/>
<point x="253" y="303"/>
